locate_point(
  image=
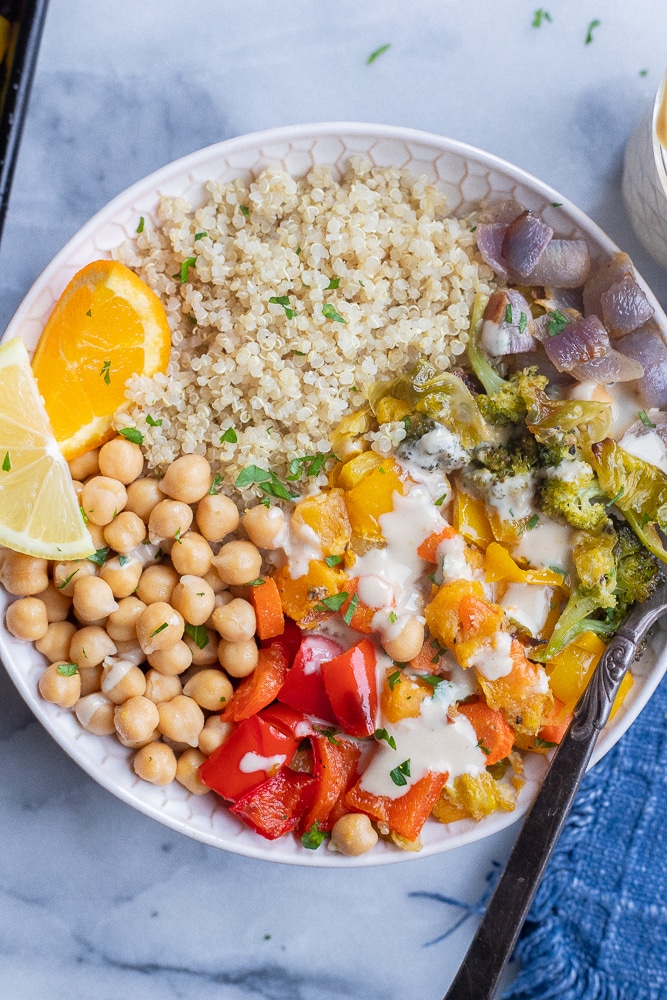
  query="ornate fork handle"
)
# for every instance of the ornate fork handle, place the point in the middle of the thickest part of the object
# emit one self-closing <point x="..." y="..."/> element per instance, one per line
<point x="496" y="936"/>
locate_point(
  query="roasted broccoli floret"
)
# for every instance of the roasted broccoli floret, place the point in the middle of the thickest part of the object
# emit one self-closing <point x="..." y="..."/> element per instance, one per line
<point x="572" y="492"/>
<point x="517" y="458"/>
<point x="638" y="572"/>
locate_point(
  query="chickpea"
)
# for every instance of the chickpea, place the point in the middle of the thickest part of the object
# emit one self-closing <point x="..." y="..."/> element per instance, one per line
<point x="238" y="563"/>
<point x="187" y="771"/>
<point x="60" y="684"/>
<point x="91" y="679"/>
<point x="192" y="554"/>
<point x="138" y="744"/>
<point x="217" y="516"/>
<point x="85" y="465"/>
<point x="187" y="479"/>
<point x="174" y="660"/>
<point x="142" y="496"/>
<point x="78" y="489"/>
<point x="23" y="576"/>
<point x="122" y="573"/>
<point x="353" y="834"/>
<point x="181" y="720"/>
<point x="169" y="519"/>
<point x="95" y="714"/>
<point x="407" y="643"/>
<point x="214" y="581"/>
<point x="92" y="599"/>
<point x="205" y="655"/>
<point x="263" y="525"/>
<point x="214" y="734"/>
<point x="96" y="532"/>
<point x="194" y="599"/>
<point x="91" y="645"/>
<point x="103" y="499"/>
<point x="125" y="532"/>
<point x="136" y="719"/>
<point x="238" y="658"/>
<point x="210" y="688"/>
<point x="159" y="627"/>
<point x="155" y="762"/>
<point x="157" y="583"/>
<point x="235" y="621"/>
<point x="57" y="604"/>
<point x="162" y="687"/>
<point x="122" y="680"/>
<point x="131" y="651"/>
<point x="67" y="574"/>
<point x="56" y="641"/>
<point x="122" y="460"/>
<point x="26" y="619"/>
<point x="122" y="624"/>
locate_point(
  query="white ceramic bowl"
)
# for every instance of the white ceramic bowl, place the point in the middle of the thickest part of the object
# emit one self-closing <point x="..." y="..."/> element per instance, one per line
<point x="466" y="175"/>
<point x="645" y="182"/>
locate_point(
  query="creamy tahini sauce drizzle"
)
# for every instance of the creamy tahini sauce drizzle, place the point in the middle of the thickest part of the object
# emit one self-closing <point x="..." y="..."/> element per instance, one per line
<point x="547" y="544"/>
<point x="251" y="762"/>
<point x="493" y="659"/>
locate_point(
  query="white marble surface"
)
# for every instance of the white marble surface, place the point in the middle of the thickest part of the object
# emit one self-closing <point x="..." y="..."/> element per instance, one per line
<point x="96" y="900"/>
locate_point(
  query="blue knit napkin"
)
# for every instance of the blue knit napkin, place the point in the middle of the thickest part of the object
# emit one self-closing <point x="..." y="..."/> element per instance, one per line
<point x="597" y="929"/>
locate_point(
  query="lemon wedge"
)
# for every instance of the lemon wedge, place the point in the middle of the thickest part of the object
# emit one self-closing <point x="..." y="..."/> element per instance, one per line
<point x="39" y="510"/>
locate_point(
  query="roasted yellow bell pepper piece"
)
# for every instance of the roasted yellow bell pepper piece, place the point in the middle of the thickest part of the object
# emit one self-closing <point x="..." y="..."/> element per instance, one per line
<point x="500" y="565"/>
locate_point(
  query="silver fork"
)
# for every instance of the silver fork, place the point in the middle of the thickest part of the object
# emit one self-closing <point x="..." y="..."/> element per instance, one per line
<point x="492" y="945"/>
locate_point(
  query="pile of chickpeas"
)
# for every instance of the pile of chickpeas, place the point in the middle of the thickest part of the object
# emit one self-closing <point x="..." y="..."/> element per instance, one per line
<point x="113" y="632"/>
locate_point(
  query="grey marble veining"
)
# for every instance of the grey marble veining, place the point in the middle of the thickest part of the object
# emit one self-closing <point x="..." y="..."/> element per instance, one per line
<point x="96" y="900"/>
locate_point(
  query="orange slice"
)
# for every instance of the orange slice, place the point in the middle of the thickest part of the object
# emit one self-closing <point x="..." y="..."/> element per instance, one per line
<point x="39" y="510"/>
<point x="107" y="325"/>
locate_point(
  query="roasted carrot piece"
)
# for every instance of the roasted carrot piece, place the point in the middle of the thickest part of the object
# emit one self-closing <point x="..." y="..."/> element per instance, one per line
<point x="265" y="599"/>
<point x="555" y="723"/>
<point x="335" y="770"/>
<point x="428" y="549"/>
<point x="406" y="815"/>
<point x="259" y="688"/>
<point x="496" y="737"/>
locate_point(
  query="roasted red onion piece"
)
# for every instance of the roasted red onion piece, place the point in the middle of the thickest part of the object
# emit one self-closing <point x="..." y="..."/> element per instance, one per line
<point x="563" y="264"/>
<point x="601" y="278"/>
<point x="647" y="346"/>
<point x="490" y="238"/>
<point x="582" y="340"/>
<point x="613" y="367"/>
<point x="502" y="211"/>
<point x="508" y="325"/>
<point x="524" y="243"/>
<point x="624" y="306"/>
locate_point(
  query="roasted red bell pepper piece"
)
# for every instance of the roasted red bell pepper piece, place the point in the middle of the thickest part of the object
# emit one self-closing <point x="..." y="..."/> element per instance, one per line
<point x="350" y="683"/>
<point x="335" y="763"/>
<point x="290" y="721"/>
<point x="253" y="751"/>
<point x="405" y="815"/>
<point x="304" y="686"/>
<point x="259" y="688"/>
<point x="290" y="638"/>
<point x="276" y="806"/>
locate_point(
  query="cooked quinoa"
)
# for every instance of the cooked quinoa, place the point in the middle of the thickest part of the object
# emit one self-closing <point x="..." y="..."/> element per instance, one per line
<point x="287" y="298"/>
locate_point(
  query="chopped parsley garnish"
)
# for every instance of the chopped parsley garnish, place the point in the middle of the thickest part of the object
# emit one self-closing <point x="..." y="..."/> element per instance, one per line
<point x="152" y="422"/>
<point x="298" y="251"/>
<point x="333" y="560"/>
<point x="229" y="437"/>
<point x="89" y="312"/>
<point x="257" y="582"/>
<point x="67" y="579"/>
<point x="244" y="210"/>
<point x="67" y="669"/>
<point x="333" y="284"/>
<point x="439" y="502"/>
<point x="283" y="300"/>
<point x="313" y="838"/>
<point x="330" y="312"/>
<point x="200" y="236"/>
<point x="309" y="465"/>
<point x="618" y="496"/>
<point x="508" y="313"/>
<point x="159" y="629"/>
<point x="185" y="268"/>
<point x="329" y="733"/>
<point x="267" y="481"/>
<point x="332" y="603"/>
<point x="300" y="354"/>
<point x="543" y="744"/>
<point x="556" y="322"/>
<point x="643" y="72"/>
<point x="6" y="463"/>
<point x="393" y="617"/>
<point x="376" y="53"/>
<point x="352" y="607"/>
<point x="433" y="679"/>
<point x="99" y="556"/>
<point x="533" y="522"/>
<point x="132" y="434"/>
<point x="591" y="28"/>
<point x="84" y="515"/>
<point x="177" y="537"/>
<point x="140" y="227"/>
<point x="198" y="634"/>
<point x="539" y="16"/>
<point x="645" y="419"/>
<point x="382" y="734"/>
<point x="105" y="372"/>
<point x="394" y="679"/>
<point x="214" y="488"/>
<point x="400" y="774"/>
<point x="556" y="204"/>
<point x="523" y="322"/>
<point x="123" y="560"/>
<point x="484" y="749"/>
